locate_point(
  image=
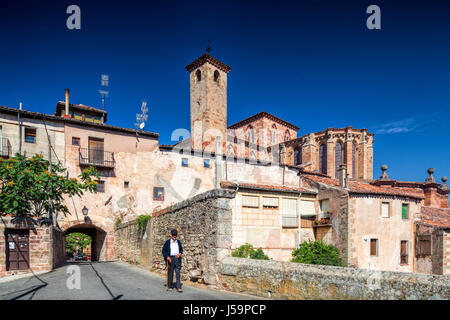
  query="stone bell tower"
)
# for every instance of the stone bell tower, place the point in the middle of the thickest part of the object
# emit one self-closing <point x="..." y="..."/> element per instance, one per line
<point x="208" y="92"/>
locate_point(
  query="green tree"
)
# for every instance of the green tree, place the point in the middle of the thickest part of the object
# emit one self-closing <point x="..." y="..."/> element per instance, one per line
<point x="317" y="252"/>
<point x="76" y="242"/>
<point x="247" y="251"/>
<point x="30" y="187"/>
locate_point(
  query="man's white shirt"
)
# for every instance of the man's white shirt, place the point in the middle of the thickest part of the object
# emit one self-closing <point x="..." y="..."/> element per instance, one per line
<point x="174" y="250"/>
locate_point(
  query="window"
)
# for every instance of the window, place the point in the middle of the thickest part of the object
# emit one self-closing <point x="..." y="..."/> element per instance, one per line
<point x="206" y="163"/>
<point x="405" y="211"/>
<point x="273" y="135"/>
<point x="100" y="186"/>
<point x="75" y="141"/>
<point x="78" y="116"/>
<point x="250" y="201"/>
<point x="199" y="75"/>
<point x="97" y="119"/>
<point x="324" y="208"/>
<point x="337" y="158"/>
<point x="374" y="247"/>
<point x="30" y="135"/>
<point x="287" y="136"/>
<point x="126" y="184"/>
<point x="403" y="252"/>
<point x="216" y="76"/>
<point x="289" y="216"/>
<point x="307" y="208"/>
<point x="250" y="134"/>
<point x="88" y="117"/>
<point x="423" y="245"/>
<point x="385" y="208"/>
<point x="354" y="160"/>
<point x="297" y="156"/>
<point x="184" y="162"/>
<point x="158" y="193"/>
<point x="323" y="158"/>
<point x="270" y="202"/>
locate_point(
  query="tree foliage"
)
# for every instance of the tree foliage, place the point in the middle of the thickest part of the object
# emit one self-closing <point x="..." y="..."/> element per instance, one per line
<point x="317" y="252"/>
<point x="30" y="189"/>
<point x="247" y="251"/>
<point x="76" y="242"/>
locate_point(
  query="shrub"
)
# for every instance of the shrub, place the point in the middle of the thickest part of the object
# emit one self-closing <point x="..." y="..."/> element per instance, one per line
<point x="141" y="222"/>
<point x="247" y="251"/>
<point x="317" y="252"/>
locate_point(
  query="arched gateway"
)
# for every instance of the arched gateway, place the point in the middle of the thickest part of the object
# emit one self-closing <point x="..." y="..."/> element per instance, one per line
<point x="102" y="246"/>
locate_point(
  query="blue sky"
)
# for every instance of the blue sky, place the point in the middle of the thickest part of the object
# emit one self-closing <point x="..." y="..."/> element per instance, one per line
<point x="312" y="63"/>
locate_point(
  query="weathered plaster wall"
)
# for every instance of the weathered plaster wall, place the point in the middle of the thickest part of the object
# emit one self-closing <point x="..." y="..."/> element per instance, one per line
<point x="287" y="280"/>
<point x="55" y="130"/>
<point x="366" y="222"/>
<point x="262" y="227"/>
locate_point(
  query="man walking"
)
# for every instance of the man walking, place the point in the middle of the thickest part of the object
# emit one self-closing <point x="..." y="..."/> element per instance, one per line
<point x="172" y="251"/>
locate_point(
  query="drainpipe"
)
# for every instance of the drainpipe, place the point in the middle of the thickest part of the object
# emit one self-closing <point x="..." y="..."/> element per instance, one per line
<point x="299" y="220"/>
<point x="20" y="128"/>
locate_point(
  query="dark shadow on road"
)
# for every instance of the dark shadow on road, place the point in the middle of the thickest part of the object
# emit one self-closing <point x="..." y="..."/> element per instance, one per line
<point x="104" y="284"/>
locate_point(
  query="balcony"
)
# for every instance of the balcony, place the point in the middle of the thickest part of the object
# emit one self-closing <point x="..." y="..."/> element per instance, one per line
<point x="97" y="158"/>
<point x="5" y="147"/>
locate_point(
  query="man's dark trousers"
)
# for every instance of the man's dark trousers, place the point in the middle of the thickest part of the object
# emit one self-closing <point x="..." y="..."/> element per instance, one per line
<point x="175" y="264"/>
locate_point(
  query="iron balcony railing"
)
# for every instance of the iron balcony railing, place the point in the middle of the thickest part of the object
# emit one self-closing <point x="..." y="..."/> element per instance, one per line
<point x="5" y="147"/>
<point x="97" y="158"/>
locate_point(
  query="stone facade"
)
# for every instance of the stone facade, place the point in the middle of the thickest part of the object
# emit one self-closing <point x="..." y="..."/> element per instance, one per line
<point x="40" y="246"/>
<point x="288" y="280"/>
<point x="205" y="229"/>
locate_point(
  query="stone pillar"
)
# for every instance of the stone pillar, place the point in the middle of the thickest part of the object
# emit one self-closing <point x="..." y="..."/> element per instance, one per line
<point x="330" y="157"/>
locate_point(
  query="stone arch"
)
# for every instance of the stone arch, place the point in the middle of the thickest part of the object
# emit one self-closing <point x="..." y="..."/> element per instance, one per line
<point x="216" y="76"/>
<point x="198" y="73"/>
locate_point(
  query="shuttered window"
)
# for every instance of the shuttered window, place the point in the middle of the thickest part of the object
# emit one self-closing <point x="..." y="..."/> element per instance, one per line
<point x="403" y="252"/>
<point x="423" y="246"/>
<point x="404" y="211"/>
<point x="307" y="208"/>
<point x="385" y="209"/>
<point x="270" y="202"/>
<point x="324" y="208"/>
<point x="250" y="201"/>
<point x="289" y="212"/>
<point x="374" y="247"/>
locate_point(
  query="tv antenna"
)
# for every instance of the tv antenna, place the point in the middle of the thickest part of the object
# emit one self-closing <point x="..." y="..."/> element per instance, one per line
<point x="142" y="117"/>
<point x="104" y="93"/>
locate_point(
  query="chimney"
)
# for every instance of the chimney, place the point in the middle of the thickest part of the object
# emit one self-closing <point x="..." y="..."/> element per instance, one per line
<point x="434" y="197"/>
<point x="66" y="114"/>
<point x="384" y="175"/>
<point x="342" y="174"/>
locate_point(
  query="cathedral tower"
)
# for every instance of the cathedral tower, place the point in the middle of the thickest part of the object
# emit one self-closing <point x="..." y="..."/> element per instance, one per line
<point x="208" y="93"/>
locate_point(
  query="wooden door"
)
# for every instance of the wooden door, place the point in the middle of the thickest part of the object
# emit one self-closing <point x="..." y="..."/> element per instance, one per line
<point x="17" y="249"/>
<point x="96" y="151"/>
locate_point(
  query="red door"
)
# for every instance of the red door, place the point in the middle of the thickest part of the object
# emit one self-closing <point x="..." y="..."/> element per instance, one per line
<point x="17" y="249"/>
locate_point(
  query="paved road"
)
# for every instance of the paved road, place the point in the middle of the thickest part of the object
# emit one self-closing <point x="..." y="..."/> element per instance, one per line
<point x="105" y="281"/>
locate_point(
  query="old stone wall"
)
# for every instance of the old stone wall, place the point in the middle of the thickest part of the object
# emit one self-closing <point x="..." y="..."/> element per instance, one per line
<point x="204" y="228"/>
<point x="288" y="280"/>
<point x="446" y="262"/>
<point x="132" y="244"/>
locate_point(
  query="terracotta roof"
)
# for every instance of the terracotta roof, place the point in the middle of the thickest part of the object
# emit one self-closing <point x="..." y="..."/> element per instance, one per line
<point x="260" y="115"/>
<point x="208" y="58"/>
<point x="33" y="114"/>
<point x="62" y="104"/>
<point x="264" y="187"/>
<point x="436" y="217"/>
<point x="358" y="187"/>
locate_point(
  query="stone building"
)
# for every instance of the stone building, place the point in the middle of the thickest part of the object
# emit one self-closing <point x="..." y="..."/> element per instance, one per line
<point x="289" y="189"/>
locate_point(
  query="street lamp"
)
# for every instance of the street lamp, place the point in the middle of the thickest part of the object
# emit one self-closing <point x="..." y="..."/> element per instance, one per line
<point x="85" y="211"/>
